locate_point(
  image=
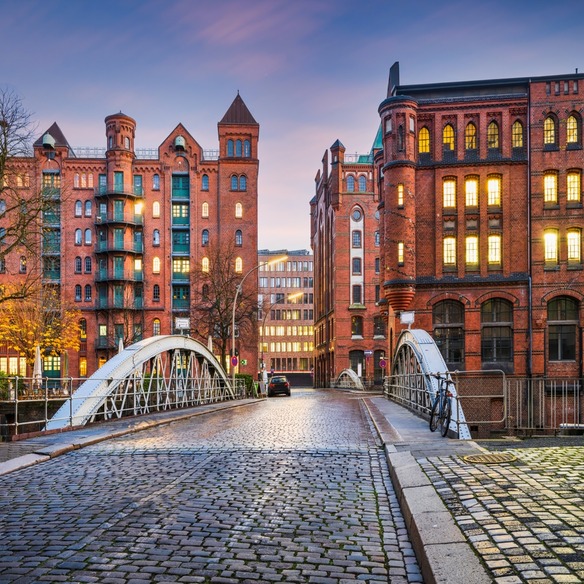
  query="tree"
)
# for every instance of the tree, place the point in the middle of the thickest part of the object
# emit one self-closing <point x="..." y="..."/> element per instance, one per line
<point x="39" y="319"/>
<point x="212" y="305"/>
<point x="21" y="206"/>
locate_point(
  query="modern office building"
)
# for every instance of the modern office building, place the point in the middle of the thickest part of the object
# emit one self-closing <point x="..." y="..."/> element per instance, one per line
<point x="127" y="228"/>
<point x="349" y="325"/>
<point x="482" y="218"/>
<point x="286" y="312"/>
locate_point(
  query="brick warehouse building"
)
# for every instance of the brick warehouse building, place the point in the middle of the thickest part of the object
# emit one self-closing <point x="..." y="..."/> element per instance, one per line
<point x="481" y="219"/>
<point x="349" y="326"/>
<point x="129" y="227"/>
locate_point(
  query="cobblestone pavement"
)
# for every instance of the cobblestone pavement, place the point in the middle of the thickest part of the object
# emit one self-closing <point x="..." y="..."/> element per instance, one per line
<point x="525" y="518"/>
<point x="289" y="490"/>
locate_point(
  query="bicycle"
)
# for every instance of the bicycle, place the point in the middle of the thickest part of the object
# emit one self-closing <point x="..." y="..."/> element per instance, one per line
<point x="442" y="407"/>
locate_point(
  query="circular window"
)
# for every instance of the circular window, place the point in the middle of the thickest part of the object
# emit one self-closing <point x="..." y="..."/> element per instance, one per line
<point x="357" y="214"/>
<point x="377" y="215"/>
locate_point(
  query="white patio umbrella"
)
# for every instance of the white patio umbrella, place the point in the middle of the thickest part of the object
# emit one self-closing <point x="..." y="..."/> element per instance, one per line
<point x="120" y="345"/>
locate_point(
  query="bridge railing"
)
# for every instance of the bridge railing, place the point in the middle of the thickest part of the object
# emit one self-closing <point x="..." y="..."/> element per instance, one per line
<point x="27" y="404"/>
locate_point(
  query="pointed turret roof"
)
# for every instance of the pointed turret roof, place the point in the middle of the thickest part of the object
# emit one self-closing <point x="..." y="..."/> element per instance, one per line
<point x="57" y="135"/>
<point x="238" y="113"/>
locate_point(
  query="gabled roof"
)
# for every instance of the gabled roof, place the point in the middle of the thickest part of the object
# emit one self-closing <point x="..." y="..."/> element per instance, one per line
<point x="238" y="113"/>
<point x="58" y="136"/>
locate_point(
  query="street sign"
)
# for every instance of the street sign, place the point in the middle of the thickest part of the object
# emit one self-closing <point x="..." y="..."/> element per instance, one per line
<point x="182" y="323"/>
<point x="244" y="361"/>
<point x="382" y="363"/>
<point x="234" y="361"/>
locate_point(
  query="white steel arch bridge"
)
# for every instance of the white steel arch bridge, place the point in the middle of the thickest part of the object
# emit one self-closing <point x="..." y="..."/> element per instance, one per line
<point x="158" y="373"/>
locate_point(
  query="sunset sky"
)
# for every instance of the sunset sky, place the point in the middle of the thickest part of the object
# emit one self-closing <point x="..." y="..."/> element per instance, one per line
<point x="310" y="71"/>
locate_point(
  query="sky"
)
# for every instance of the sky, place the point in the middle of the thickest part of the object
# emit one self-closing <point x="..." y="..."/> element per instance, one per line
<point x="310" y="71"/>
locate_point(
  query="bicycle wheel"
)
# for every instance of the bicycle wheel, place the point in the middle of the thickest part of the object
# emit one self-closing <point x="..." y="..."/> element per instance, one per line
<point x="446" y="414"/>
<point x="434" y="414"/>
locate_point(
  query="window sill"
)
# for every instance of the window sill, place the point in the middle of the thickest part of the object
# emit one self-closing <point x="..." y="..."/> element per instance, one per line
<point x="356" y="337"/>
<point x="356" y="307"/>
<point x="575" y="266"/>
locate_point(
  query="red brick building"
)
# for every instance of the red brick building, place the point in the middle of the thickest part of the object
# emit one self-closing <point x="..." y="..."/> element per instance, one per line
<point x="349" y="328"/>
<point x="481" y="219"/>
<point x="128" y="227"/>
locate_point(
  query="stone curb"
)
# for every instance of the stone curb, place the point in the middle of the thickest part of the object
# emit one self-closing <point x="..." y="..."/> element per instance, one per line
<point x="442" y="551"/>
<point x="69" y="442"/>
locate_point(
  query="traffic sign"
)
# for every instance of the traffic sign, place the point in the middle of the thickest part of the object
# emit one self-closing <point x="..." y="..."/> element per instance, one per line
<point x="234" y="361"/>
<point x="382" y="363"/>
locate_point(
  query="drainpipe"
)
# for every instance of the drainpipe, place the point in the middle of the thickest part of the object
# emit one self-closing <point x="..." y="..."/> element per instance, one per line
<point x="529" y="242"/>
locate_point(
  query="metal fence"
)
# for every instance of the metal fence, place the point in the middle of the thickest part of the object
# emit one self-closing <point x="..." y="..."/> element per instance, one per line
<point x="27" y="405"/>
<point x="494" y="403"/>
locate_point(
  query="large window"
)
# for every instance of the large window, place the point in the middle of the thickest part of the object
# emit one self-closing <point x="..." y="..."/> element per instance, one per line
<point x="357" y="326"/>
<point x="356" y="238"/>
<point x="573" y="130"/>
<point x="494" y="250"/>
<point x="550" y="188"/>
<point x="562" y="315"/>
<point x="472" y="251"/>
<point x="449" y="193"/>
<point x="550" y="244"/>
<point x="573" y="186"/>
<point x="448" y="138"/>
<point x="350" y="183"/>
<point x="448" y="331"/>
<point x="471" y="192"/>
<point x="493" y="135"/>
<point x="517" y="134"/>
<point x="470" y="136"/>
<point x="574" y="243"/>
<point x="449" y="252"/>
<point x="494" y="191"/>
<point x="424" y="141"/>
<point x="497" y="331"/>
<point x="549" y="131"/>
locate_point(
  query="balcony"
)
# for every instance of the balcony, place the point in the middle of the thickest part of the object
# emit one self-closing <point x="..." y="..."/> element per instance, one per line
<point x="106" y="191"/>
<point x="51" y="194"/>
<point x="124" y="275"/>
<point x="51" y="275"/>
<point x="119" y="246"/>
<point x="180" y="304"/>
<point x="120" y="218"/>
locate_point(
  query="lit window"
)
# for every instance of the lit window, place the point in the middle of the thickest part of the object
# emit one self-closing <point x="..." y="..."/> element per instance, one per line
<point x="574" y="237"/>
<point x="493" y="135"/>
<point x="449" y="251"/>
<point x="550" y="242"/>
<point x="494" y="191"/>
<point x="156" y="265"/>
<point x="572" y="130"/>
<point x="400" y="253"/>
<point x="156" y="327"/>
<point x="156" y="209"/>
<point x="494" y="249"/>
<point x="517" y="134"/>
<point x="550" y="188"/>
<point x="424" y="141"/>
<point x="449" y="193"/>
<point x="357" y="326"/>
<point x="448" y="137"/>
<point x="472" y="250"/>
<point x="205" y="210"/>
<point x="238" y="265"/>
<point x="549" y="131"/>
<point x="76" y="181"/>
<point x="83" y="329"/>
<point x="350" y="183"/>
<point x="205" y="265"/>
<point x="400" y="195"/>
<point x="181" y="265"/>
<point x="238" y="210"/>
<point x="471" y="191"/>
<point x="573" y="187"/>
<point x="470" y="136"/>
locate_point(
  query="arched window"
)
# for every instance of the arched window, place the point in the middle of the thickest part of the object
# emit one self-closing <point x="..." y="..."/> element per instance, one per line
<point x="156" y="327"/>
<point x="550" y="135"/>
<point x="496" y="331"/>
<point x="356" y="326"/>
<point x="238" y="238"/>
<point x="156" y="209"/>
<point x="156" y="182"/>
<point x="448" y="331"/>
<point x="205" y="264"/>
<point x="83" y="329"/>
<point x="517" y="134"/>
<point x="87" y="239"/>
<point x="234" y="182"/>
<point x="400" y="139"/>
<point x="78" y="208"/>
<point x="362" y="184"/>
<point x="76" y="180"/>
<point x="205" y="237"/>
<point x="238" y="148"/>
<point x="356" y="266"/>
<point x="88" y="208"/>
<point x="246" y="148"/>
<point x="238" y="265"/>
<point x="424" y="141"/>
<point x="493" y="135"/>
<point x="156" y="265"/>
<point x="156" y="237"/>
<point x="448" y="138"/>
<point x="205" y="210"/>
<point x="470" y="136"/>
<point x="573" y="130"/>
<point x="78" y="293"/>
<point x="88" y="293"/>
<point x="574" y="246"/>
<point x="78" y="237"/>
<point x="205" y="291"/>
<point x="205" y="182"/>
<point x="562" y="317"/>
<point x="78" y="264"/>
<point x="88" y="265"/>
<point x="156" y="293"/>
<point x="243" y="183"/>
<point x="350" y="183"/>
<point x="229" y="147"/>
<point x="238" y="210"/>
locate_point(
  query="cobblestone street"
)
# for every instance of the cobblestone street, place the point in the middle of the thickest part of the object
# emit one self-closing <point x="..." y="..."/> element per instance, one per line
<point x="525" y="518"/>
<point x="292" y="489"/>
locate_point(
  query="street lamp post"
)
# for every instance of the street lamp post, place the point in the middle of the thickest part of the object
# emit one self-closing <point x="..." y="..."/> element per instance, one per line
<point x="237" y="291"/>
